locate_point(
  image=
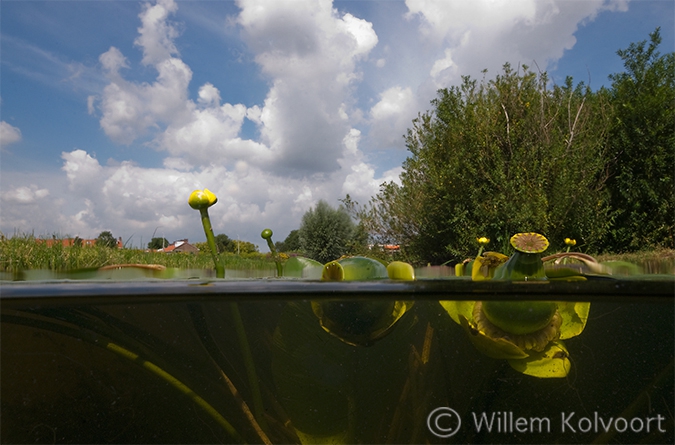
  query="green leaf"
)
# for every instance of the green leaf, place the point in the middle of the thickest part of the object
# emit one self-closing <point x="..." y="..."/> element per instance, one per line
<point x="492" y="347"/>
<point x="301" y="267"/>
<point x="552" y="362"/>
<point x="575" y="316"/>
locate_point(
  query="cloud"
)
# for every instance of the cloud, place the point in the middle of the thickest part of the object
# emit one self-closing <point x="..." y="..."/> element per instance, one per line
<point x="157" y="33"/>
<point x="311" y="54"/>
<point x="25" y="195"/>
<point x="129" y="109"/>
<point x="8" y="134"/>
<point x="484" y="34"/>
<point x="391" y="116"/>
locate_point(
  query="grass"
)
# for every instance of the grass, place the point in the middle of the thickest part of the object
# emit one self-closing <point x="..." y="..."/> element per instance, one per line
<point x="26" y="253"/>
<point x="21" y="253"/>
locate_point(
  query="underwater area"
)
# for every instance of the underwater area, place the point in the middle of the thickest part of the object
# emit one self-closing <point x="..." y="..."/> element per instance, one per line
<point x="282" y="360"/>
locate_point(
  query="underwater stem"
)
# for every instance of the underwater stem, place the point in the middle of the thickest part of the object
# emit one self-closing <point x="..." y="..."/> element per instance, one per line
<point x="83" y="333"/>
<point x="258" y="407"/>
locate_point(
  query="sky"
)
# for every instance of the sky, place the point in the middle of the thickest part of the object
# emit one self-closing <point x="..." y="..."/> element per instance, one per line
<point x="112" y="112"/>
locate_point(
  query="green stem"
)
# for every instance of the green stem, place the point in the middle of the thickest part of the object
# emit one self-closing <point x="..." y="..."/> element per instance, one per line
<point x="270" y="244"/>
<point x="238" y="323"/>
<point x="258" y="406"/>
<point x="83" y="333"/>
<point x="211" y="240"/>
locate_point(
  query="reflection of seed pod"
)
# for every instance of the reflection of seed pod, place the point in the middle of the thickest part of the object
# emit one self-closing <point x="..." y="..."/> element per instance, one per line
<point x="355" y="322"/>
<point x="359" y="322"/>
<point x="519" y="317"/>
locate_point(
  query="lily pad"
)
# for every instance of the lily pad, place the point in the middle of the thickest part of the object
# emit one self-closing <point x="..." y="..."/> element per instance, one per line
<point x="301" y="267"/>
<point x="552" y="362"/>
<point x="492" y="347"/>
<point x="457" y="308"/>
<point x="575" y="316"/>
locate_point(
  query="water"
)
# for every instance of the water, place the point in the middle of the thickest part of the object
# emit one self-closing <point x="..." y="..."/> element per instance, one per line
<point x="150" y="362"/>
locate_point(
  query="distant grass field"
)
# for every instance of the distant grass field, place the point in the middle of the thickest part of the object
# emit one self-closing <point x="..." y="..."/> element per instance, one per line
<point x="26" y="253"/>
<point x="21" y="253"/>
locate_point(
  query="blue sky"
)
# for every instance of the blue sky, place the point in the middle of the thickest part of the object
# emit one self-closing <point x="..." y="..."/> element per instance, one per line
<point x="113" y="111"/>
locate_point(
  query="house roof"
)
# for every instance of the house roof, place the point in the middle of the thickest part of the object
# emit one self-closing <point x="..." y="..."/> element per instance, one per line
<point x="179" y="246"/>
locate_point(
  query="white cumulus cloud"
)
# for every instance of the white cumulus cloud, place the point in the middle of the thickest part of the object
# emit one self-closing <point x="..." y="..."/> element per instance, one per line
<point x="392" y="115"/>
<point x="8" y="134"/>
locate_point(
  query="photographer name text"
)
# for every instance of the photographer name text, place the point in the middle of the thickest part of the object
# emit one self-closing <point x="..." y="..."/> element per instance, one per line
<point x="507" y="422"/>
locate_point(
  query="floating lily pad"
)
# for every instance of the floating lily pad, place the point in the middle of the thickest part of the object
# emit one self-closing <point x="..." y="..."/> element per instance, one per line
<point x="301" y="267"/>
<point x="353" y="269"/>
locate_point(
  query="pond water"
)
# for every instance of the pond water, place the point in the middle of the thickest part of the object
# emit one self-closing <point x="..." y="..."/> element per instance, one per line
<point x="234" y="361"/>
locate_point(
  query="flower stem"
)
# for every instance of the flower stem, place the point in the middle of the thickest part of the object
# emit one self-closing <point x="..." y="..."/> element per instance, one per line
<point x="258" y="407"/>
<point x="275" y="255"/>
<point x="211" y="240"/>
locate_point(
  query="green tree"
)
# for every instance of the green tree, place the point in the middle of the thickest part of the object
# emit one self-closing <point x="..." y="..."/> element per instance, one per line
<point x="106" y="239"/>
<point x="243" y="247"/>
<point x="642" y="148"/>
<point x="496" y="158"/>
<point x="325" y="232"/>
<point x="224" y="243"/>
<point x="290" y="244"/>
<point x="158" y="243"/>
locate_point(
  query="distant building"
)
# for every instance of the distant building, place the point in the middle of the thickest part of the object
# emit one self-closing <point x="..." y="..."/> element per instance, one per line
<point x="179" y="246"/>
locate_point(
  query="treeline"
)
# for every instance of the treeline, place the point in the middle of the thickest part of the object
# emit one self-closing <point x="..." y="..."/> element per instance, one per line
<point x="515" y="154"/>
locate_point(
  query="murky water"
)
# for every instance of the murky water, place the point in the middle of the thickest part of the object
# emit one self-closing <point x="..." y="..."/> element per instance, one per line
<point x="192" y="361"/>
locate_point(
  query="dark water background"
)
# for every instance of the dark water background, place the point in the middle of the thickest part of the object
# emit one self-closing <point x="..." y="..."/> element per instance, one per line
<point x="61" y="381"/>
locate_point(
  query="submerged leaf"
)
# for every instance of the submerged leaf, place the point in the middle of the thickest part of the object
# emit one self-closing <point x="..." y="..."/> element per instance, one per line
<point x="552" y="362"/>
<point x="457" y="308"/>
<point x="499" y="348"/>
<point x="575" y="316"/>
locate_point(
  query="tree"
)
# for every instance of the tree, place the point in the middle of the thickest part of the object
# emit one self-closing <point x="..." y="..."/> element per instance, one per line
<point x="243" y="247"/>
<point x="642" y="148"/>
<point x="158" y="243"/>
<point x="325" y="232"/>
<point x="291" y="243"/>
<point x="224" y="243"/>
<point x="106" y="239"/>
<point x="496" y="158"/>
